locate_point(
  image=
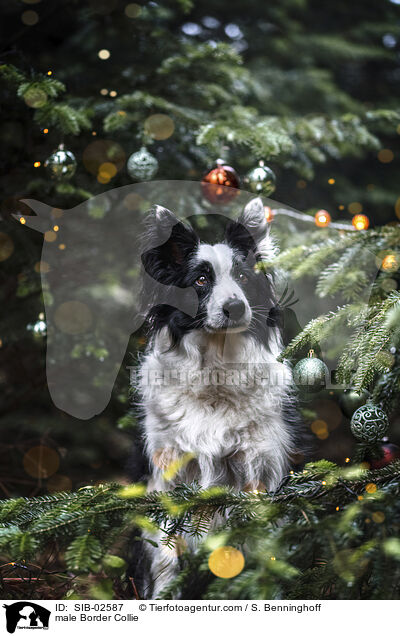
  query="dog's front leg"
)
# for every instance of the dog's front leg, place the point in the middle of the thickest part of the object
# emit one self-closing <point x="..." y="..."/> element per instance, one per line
<point x="163" y="458"/>
<point x="164" y="565"/>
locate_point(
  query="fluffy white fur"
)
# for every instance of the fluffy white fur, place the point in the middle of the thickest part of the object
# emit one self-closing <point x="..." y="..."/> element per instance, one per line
<point x="214" y="420"/>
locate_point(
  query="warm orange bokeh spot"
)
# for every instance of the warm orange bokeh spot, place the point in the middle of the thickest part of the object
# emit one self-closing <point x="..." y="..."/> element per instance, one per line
<point x="59" y="483"/>
<point x="390" y="263"/>
<point x="360" y="221"/>
<point x="41" y="462"/>
<point x="322" y="218"/>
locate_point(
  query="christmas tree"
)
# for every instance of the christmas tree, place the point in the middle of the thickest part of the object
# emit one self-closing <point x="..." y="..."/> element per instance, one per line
<point x="309" y="89"/>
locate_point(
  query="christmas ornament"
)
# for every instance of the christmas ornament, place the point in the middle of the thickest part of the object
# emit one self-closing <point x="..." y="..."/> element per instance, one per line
<point x="310" y="373"/>
<point x="390" y="453"/>
<point x="360" y="221"/>
<point x="390" y="263"/>
<point x="142" y="165"/>
<point x="369" y="423"/>
<point x="322" y="218"/>
<point x="220" y="184"/>
<point x="61" y="164"/>
<point x="261" y="179"/>
<point x="351" y="400"/>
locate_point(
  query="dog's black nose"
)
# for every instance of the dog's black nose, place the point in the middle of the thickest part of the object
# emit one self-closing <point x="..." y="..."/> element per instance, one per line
<point x="234" y="308"/>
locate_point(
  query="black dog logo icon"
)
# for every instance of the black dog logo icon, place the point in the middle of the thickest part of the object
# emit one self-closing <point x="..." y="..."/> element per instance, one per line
<point x="26" y="615"/>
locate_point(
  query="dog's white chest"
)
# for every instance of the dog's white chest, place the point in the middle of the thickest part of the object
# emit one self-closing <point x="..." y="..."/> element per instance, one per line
<point x="215" y="399"/>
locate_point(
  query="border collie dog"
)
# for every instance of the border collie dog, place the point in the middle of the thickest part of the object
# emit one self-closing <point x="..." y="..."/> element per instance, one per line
<point x="216" y="403"/>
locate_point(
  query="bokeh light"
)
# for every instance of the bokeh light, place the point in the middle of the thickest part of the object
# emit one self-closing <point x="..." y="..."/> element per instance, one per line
<point x="41" y="462"/>
<point x="35" y="97"/>
<point x="100" y="152"/>
<point x="355" y="207"/>
<point x="50" y="236"/>
<point x="390" y="262"/>
<point x="104" y="54"/>
<point x="41" y="267"/>
<point x="133" y="201"/>
<point x="132" y="10"/>
<point x="329" y="413"/>
<point x="59" y="483"/>
<point x="108" y="169"/>
<point x="320" y="429"/>
<point x="6" y="246"/>
<point x="226" y="562"/>
<point x="385" y="155"/>
<point x="360" y="221"/>
<point x="322" y="218"/>
<point x="159" y="126"/>
<point x="30" y="18"/>
<point x="103" y="177"/>
<point x="73" y="317"/>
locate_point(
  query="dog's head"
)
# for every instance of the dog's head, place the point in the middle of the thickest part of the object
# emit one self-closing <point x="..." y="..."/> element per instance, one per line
<point x="233" y="293"/>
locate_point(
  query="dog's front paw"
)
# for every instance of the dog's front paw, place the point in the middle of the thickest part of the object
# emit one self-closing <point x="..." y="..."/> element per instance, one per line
<point x="164" y="457"/>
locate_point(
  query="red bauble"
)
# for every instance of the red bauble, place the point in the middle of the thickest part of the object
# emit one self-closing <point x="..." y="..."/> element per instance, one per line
<point x="221" y="184"/>
<point x="390" y="453"/>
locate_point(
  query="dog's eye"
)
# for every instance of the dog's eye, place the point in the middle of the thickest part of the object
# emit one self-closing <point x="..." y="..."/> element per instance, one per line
<point x="242" y="277"/>
<point x="201" y="281"/>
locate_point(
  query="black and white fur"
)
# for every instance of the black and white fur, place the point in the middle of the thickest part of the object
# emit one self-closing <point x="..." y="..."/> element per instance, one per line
<point x="241" y="434"/>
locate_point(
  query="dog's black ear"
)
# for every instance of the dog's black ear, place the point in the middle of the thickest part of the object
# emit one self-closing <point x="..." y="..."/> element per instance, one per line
<point x="250" y="233"/>
<point x="167" y="242"/>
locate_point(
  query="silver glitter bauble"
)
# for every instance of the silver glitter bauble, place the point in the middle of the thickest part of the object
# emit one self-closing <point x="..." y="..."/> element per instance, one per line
<point x="311" y="373"/>
<point x="142" y="165"/>
<point x="61" y="164"/>
<point x="261" y="179"/>
<point x="369" y="423"/>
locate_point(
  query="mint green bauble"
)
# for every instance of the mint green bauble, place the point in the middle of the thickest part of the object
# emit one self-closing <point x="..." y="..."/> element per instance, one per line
<point x="311" y="373"/>
<point x="369" y="423"/>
